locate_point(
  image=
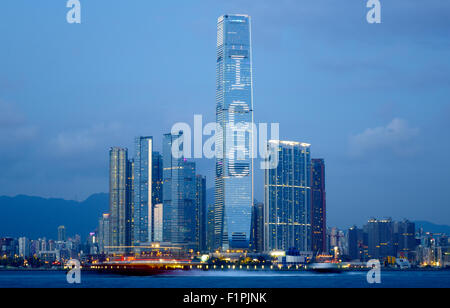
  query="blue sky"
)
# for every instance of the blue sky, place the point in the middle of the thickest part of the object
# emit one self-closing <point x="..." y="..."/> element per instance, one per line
<point x="373" y="100"/>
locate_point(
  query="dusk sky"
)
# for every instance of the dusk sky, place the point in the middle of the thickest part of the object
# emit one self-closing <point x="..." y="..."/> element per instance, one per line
<point x="372" y="99"/>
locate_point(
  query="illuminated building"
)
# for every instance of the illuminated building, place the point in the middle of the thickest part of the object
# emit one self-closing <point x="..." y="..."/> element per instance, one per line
<point x="120" y="199"/>
<point x="179" y="197"/>
<point x="287" y="205"/>
<point x="234" y="143"/>
<point x="147" y="189"/>
<point x="200" y="211"/>
<point x="318" y="206"/>
<point x="257" y="236"/>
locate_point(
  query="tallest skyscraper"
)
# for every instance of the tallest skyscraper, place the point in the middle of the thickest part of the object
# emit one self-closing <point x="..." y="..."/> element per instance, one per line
<point x="234" y="143"/>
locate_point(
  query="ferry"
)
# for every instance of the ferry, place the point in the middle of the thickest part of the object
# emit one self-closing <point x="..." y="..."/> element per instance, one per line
<point x="324" y="264"/>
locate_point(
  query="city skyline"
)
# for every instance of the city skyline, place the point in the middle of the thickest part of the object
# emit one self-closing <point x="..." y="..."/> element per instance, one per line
<point x="396" y="122"/>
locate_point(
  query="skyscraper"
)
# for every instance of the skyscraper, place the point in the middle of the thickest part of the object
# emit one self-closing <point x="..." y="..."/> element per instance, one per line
<point x="179" y="203"/>
<point x="404" y="232"/>
<point x="354" y="243"/>
<point x="201" y="214"/>
<point x="147" y="189"/>
<point x="318" y="203"/>
<point x="257" y="238"/>
<point x="380" y="238"/>
<point x="61" y="234"/>
<point x="103" y="233"/>
<point x="120" y="198"/>
<point x="234" y="142"/>
<point x="287" y="212"/>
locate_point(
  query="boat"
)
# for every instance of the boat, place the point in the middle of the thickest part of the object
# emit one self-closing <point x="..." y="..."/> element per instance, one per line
<point x="324" y="267"/>
<point x="324" y="264"/>
<point x="145" y="267"/>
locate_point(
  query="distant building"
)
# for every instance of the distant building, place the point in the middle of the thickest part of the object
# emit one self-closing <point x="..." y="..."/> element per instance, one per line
<point x="200" y="212"/>
<point x="380" y="238"/>
<point x="405" y="240"/>
<point x="287" y="205"/>
<point x="355" y="240"/>
<point x="147" y="189"/>
<point x="257" y="236"/>
<point x="8" y="246"/>
<point x="61" y="234"/>
<point x="121" y="201"/>
<point x="158" y="222"/>
<point x="318" y="206"/>
<point x="24" y="247"/>
<point x="104" y="236"/>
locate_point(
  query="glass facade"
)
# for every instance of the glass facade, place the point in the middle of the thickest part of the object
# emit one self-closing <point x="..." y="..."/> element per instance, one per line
<point x="148" y="189"/>
<point x="287" y="212"/>
<point x="234" y="143"/>
<point x="200" y="196"/>
<point x="318" y="215"/>
<point x="120" y="198"/>
<point x="179" y="197"/>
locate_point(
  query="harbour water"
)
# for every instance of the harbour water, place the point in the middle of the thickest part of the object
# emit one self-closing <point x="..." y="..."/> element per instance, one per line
<point x="228" y="279"/>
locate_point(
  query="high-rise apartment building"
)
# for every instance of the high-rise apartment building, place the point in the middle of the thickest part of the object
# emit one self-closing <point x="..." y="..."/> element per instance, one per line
<point x="24" y="247"/>
<point x="103" y="234"/>
<point x="120" y="199"/>
<point x="234" y="142"/>
<point x="61" y="234"/>
<point x="287" y="205"/>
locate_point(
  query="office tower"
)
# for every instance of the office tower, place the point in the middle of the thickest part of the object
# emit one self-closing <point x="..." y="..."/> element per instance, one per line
<point x="318" y="206"/>
<point x="380" y="238"/>
<point x="61" y="234"/>
<point x="179" y="220"/>
<point x="120" y="199"/>
<point x="158" y="222"/>
<point x="257" y="236"/>
<point x="354" y="243"/>
<point x="405" y="241"/>
<point x="24" y="247"/>
<point x="147" y="189"/>
<point x="103" y="234"/>
<point x="287" y="207"/>
<point x="200" y="212"/>
<point x="234" y="142"/>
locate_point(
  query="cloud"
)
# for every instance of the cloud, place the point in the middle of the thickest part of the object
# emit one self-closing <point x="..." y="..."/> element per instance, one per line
<point x="15" y="131"/>
<point x="396" y="138"/>
<point x="69" y="143"/>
